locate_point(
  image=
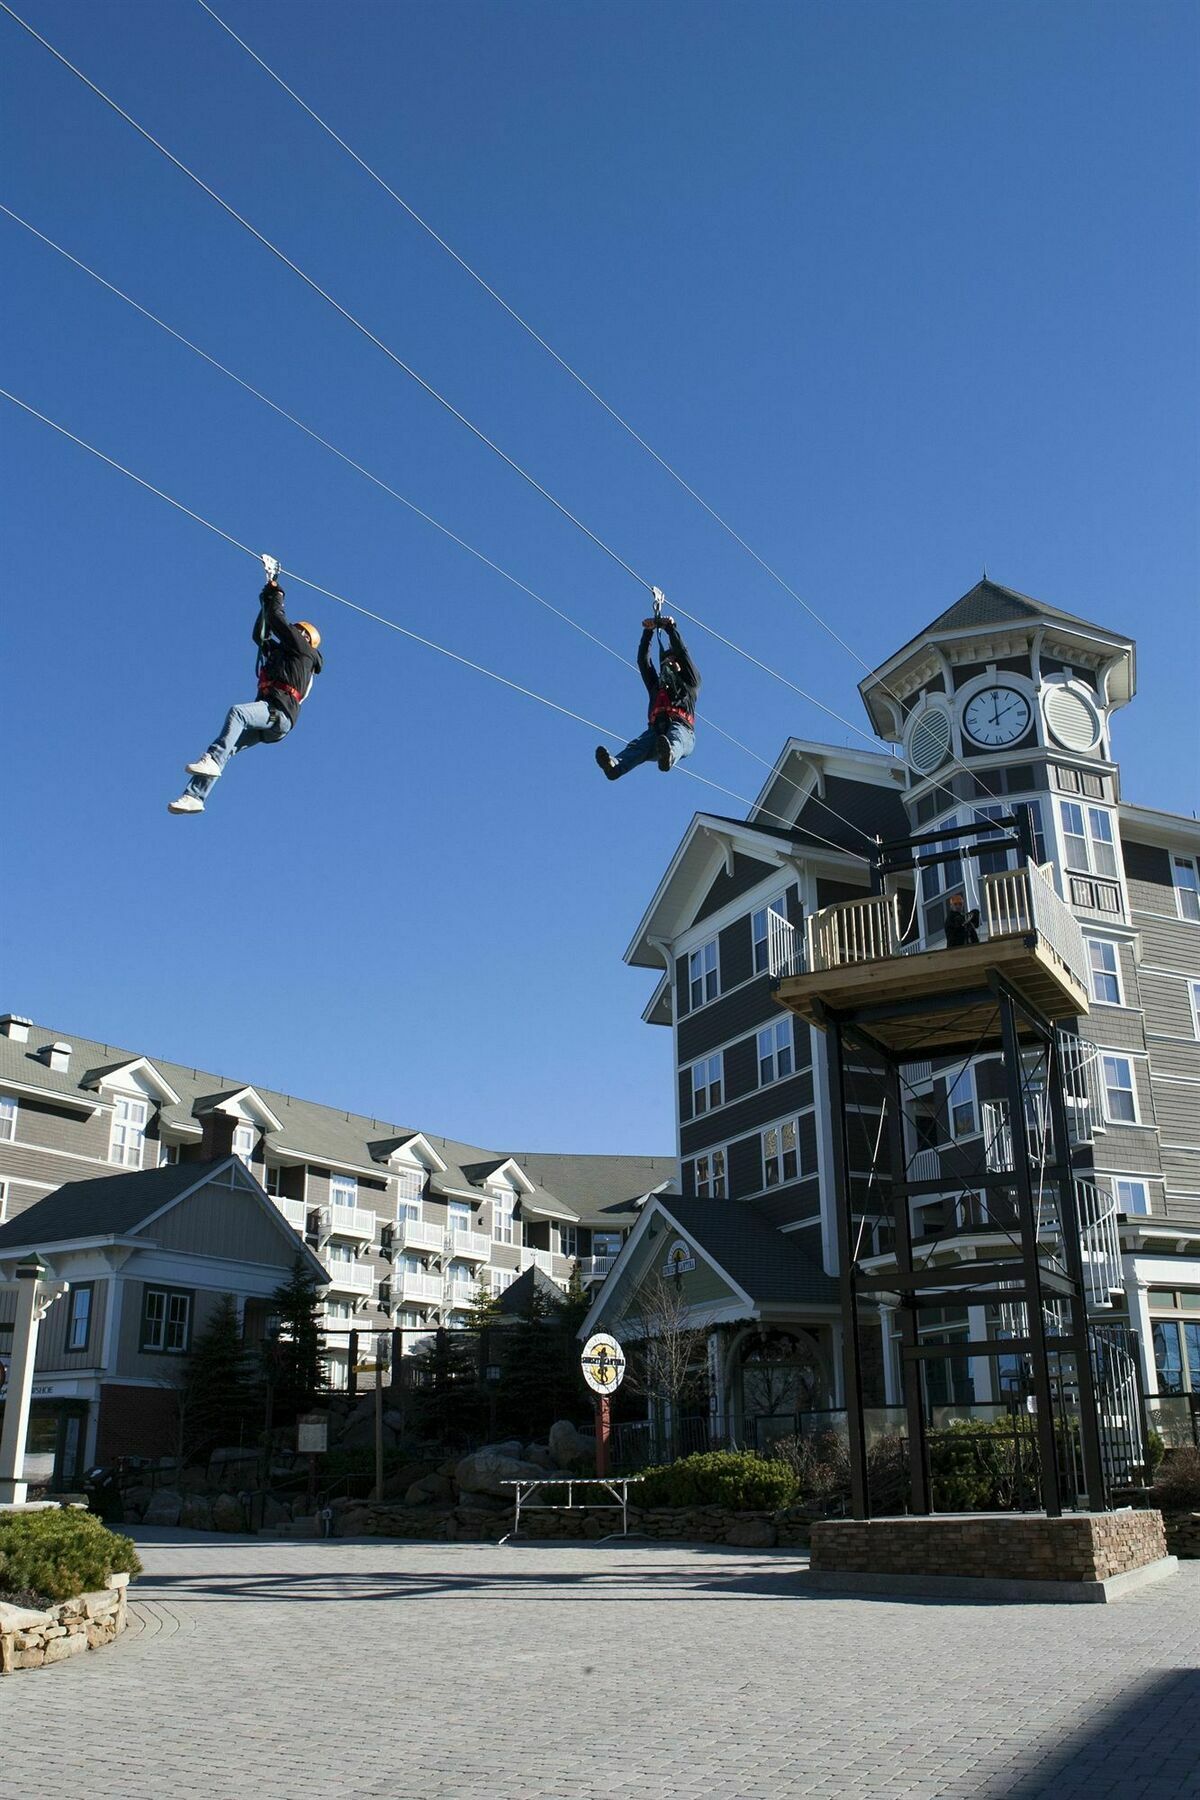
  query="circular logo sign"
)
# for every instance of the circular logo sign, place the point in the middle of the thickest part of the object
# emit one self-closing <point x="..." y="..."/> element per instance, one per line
<point x="603" y="1363"/>
<point x="680" y="1260"/>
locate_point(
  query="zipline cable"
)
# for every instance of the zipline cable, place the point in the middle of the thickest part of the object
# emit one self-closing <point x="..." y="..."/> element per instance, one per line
<point x="392" y="492"/>
<point x="582" y="382"/>
<point x="421" y="382"/>
<point x="379" y="618"/>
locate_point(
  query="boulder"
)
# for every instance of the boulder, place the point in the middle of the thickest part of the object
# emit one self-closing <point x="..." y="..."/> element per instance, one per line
<point x="274" y="1512"/>
<point x="227" y="1514"/>
<point x="393" y="1419"/>
<point x="135" y="1500"/>
<point x="356" y="1521"/>
<point x="164" y="1507"/>
<point x="484" y="1471"/>
<point x="397" y="1484"/>
<point x="196" y="1512"/>
<point x="569" y="1448"/>
<point x="751" y="1534"/>
<point x="429" y="1490"/>
<point x="540" y="1454"/>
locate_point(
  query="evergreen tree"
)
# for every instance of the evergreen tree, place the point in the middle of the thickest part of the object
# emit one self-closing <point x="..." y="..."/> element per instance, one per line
<point x="541" y="1379"/>
<point x="220" y="1403"/>
<point x="447" y="1396"/>
<point x="295" y="1360"/>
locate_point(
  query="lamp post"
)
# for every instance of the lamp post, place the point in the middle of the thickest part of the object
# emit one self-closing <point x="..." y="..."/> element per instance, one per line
<point x="34" y="1299"/>
<point x="383" y="1345"/>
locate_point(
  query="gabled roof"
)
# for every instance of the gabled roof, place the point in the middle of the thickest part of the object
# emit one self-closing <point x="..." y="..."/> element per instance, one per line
<point x="248" y="1099"/>
<point x="988" y="603"/>
<point x="132" y="1065"/>
<point x="106" y="1206"/>
<point x="479" y="1172"/>
<point x="516" y="1295"/>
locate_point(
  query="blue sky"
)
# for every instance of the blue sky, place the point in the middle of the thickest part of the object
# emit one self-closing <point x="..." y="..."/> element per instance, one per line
<point x="902" y="290"/>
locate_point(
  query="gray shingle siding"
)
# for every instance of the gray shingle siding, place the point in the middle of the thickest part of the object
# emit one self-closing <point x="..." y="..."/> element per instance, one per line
<point x="747" y="873"/>
<point x="761" y="1107"/>
<point x="750" y="1005"/>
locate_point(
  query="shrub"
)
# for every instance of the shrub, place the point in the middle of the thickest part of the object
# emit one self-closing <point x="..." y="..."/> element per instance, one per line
<point x="821" y="1466"/>
<point x="1177" y="1485"/>
<point x="738" y="1479"/>
<point x="1154" y="1449"/>
<point x="61" y="1553"/>
<point x="983" y="1465"/>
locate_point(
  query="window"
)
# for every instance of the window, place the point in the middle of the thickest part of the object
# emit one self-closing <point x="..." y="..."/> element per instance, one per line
<point x="3" y="1201"/>
<point x="128" y="1131"/>
<point x="1088" y="839"/>
<point x="8" y="1118"/>
<point x="410" y="1186"/>
<point x="1132" y="1197"/>
<point x="459" y="1216"/>
<point x="1106" y="971"/>
<point x="244" y="1139"/>
<point x="961" y="1104"/>
<point x="338" y="1309"/>
<point x="1120" y="1103"/>
<point x="775" y="1057"/>
<point x="568" y="1240"/>
<point x="937" y="878"/>
<point x="710" y="1177"/>
<point x="702" y="974"/>
<point x="339" y="1253"/>
<point x="781" y="1156"/>
<point x="706" y="1084"/>
<point x="608" y="1243"/>
<point x="79" y="1319"/>
<point x="166" y="1321"/>
<point x="760" y="932"/>
<point x="1194" y="991"/>
<point x="1187" y="886"/>
<point x="343" y="1190"/>
<point x="503" y="1203"/>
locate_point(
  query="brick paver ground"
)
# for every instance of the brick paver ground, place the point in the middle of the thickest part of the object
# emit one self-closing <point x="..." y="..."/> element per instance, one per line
<point x="260" y="1670"/>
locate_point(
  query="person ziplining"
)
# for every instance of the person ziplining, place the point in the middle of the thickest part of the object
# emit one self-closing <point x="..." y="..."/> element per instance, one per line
<point x="672" y="687"/>
<point x="288" y="658"/>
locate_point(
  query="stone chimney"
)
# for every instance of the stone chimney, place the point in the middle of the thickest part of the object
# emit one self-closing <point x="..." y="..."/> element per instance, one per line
<point x="58" y="1056"/>
<point x="13" y="1026"/>
<point x="218" y="1129"/>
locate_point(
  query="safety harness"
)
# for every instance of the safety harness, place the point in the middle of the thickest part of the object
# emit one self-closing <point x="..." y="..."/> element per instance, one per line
<point x="663" y="706"/>
<point x="266" y="684"/>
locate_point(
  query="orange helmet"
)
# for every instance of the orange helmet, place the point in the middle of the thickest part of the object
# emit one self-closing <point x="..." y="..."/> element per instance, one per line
<point x="313" y="634"/>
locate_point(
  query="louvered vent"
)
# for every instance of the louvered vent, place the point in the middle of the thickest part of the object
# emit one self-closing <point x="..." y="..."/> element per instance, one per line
<point x="1071" y="719"/>
<point x="930" y="741"/>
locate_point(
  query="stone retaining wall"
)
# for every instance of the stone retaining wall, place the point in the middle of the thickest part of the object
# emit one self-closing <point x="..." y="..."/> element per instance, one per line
<point x="30" y="1640"/>
<point x="994" y="1546"/>
<point x="1183" y="1533"/>
<point x="488" y="1522"/>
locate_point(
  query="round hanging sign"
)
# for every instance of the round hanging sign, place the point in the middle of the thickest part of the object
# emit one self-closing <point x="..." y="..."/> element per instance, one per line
<point x="603" y="1363"/>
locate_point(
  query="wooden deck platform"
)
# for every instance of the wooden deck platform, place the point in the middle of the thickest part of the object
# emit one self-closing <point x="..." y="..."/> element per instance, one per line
<point x="1028" y="964"/>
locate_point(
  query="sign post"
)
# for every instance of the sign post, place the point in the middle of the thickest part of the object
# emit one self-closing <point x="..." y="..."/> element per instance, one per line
<point x="603" y="1364"/>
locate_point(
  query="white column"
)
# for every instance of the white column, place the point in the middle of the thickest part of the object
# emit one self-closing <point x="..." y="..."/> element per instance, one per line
<point x="34" y="1299"/>
<point x="1137" y="1293"/>
<point x="891" y="1374"/>
<point x="981" y="1366"/>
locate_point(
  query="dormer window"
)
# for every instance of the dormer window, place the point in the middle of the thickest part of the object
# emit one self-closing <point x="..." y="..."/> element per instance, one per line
<point x="128" y="1131"/>
<point x="244" y="1139"/>
<point x="503" y="1202"/>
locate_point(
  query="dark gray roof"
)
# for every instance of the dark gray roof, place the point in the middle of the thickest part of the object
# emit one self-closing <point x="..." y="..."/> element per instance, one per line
<point x="987" y="603"/>
<point x="772" y="1266"/>
<point x="516" y="1295"/>
<point x="106" y="1206"/>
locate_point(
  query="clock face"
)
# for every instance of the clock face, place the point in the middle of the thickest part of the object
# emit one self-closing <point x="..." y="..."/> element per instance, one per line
<point x="995" y="716"/>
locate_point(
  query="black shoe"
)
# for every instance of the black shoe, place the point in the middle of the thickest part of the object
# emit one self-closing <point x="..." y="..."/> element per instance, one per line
<point x="664" y="755"/>
<point x="607" y="764"/>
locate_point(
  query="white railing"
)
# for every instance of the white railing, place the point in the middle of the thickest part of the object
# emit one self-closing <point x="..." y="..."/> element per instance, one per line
<point x="537" y="1259"/>
<point x="350" y="1277"/>
<point x="785" y="946"/>
<point x="1016" y="902"/>
<point x="853" y="931"/>
<point x="1100" y="1243"/>
<point x="294" y="1211"/>
<point x="916" y="1074"/>
<point x="472" y="1246"/>
<point x="595" y="1268"/>
<point x="1079" y="1062"/>
<point x="1005" y="904"/>
<point x="415" y="1234"/>
<point x="347" y="1221"/>
<point x="409" y="1288"/>
<point x="924" y="1165"/>
<point x="997" y="1137"/>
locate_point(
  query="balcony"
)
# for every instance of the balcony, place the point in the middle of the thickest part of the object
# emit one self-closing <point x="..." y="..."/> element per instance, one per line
<point x="469" y="1246"/>
<point x="926" y="1165"/>
<point x="357" y="1278"/>
<point x="410" y="1289"/>
<point x="294" y="1211"/>
<point x="537" y="1259"/>
<point x="594" y="1268"/>
<point x="348" y="1222"/>
<point x="414" y="1234"/>
<point x="856" y="956"/>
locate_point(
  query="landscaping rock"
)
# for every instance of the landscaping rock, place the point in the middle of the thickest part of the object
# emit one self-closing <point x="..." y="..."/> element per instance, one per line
<point x="397" y="1484"/>
<point x="486" y="1470"/>
<point x="540" y="1454"/>
<point x="227" y="1513"/>
<point x="274" y="1512"/>
<point x="751" y="1534"/>
<point x="569" y="1448"/>
<point x="197" y="1512"/>
<point x="430" y="1488"/>
<point x="135" y="1501"/>
<point x="164" y="1507"/>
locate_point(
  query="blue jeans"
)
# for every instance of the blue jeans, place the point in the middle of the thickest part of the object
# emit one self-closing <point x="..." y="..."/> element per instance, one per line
<point x="254" y="722"/>
<point x="681" y="738"/>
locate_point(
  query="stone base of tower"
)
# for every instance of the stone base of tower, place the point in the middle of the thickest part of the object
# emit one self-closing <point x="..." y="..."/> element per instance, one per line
<point x="992" y="1556"/>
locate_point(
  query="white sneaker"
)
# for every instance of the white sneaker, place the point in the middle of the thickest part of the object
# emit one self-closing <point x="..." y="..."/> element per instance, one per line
<point x="205" y="765"/>
<point x="186" y="803"/>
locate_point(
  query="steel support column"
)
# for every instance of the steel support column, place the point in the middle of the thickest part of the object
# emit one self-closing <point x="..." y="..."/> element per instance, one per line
<point x="860" y="1501"/>
<point x="911" y="1375"/>
<point x="1068" y="1213"/>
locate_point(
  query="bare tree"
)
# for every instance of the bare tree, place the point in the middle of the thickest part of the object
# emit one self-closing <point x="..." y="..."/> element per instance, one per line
<point x="667" y="1350"/>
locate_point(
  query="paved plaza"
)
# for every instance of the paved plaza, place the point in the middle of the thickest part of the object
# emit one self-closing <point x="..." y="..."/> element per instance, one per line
<point x="264" y="1670"/>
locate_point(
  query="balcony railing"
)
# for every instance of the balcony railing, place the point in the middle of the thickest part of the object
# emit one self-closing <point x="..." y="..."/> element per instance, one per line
<point x="470" y="1246"/>
<point x="294" y="1211"/>
<point x="785" y="947"/>
<point x="595" y="1268"/>
<point x="415" y="1234"/>
<point x="348" y="1221"/>
<point x="925" y="1165"/>
<point x="537" y="1259"/>
<point x="416" y="1289"/>
<point x="350" y="1277"/>
<point x="853" y="931"/>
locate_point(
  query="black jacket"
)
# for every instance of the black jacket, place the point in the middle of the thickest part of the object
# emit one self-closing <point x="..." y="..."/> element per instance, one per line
<point x="672" y="691"/>
<point x="288" y="661"/>
<point x="961" y="928"/>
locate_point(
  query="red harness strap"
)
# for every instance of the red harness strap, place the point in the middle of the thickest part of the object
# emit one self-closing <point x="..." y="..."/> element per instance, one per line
<point x="661" y="708"/>
<point x="266" y="687"/>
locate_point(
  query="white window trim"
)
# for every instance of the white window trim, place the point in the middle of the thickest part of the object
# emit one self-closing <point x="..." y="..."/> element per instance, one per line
<point x="698" y="950"/>
<point x="965" y="1080"/>
<point x="338" y="1183"/>
<point x="10" y="1107"/>
<point x="3" y="1200"/>
<point x="1116" y="971"/>
<point x="119" y="1124"/>
<point x="706" y="1155"/>
<point x="1178" y="888"/>
<point x="693" y="1069"/>
<point x="1107" y="1056"/>
<point x="774" y="1029"/>
<point x="1194" y="997"/>
<point x="1087" y="808"/>
<point x="801" y="1173"/>
<point x="1141" y="1181"/>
